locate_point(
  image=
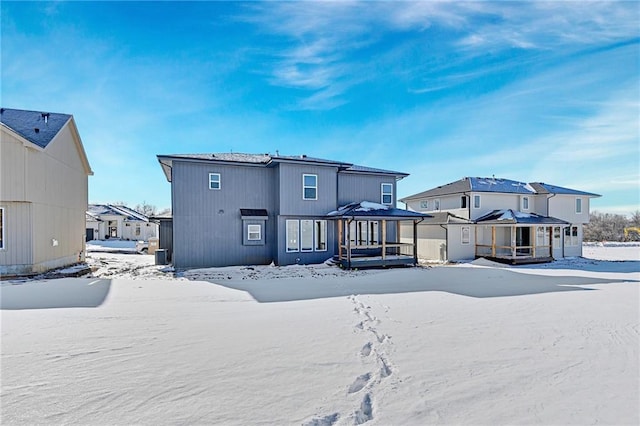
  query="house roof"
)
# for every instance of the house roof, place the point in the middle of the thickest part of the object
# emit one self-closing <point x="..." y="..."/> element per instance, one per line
<point x="443" y="218"/>
<point x="98" y="210"/>
<point x="494" y="185"/>
<point x="37" y="127"/>
<point x="367" y="210"/>
<point x="166" y="161"/>
<point x="544" y="188"/>
<point x="508" y="216"/>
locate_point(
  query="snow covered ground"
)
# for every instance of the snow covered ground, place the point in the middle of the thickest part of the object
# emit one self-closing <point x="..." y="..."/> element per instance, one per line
<point x="475" y="343"/>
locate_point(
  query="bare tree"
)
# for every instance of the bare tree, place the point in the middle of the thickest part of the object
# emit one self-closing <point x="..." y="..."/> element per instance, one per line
<point x="146" y="209"/>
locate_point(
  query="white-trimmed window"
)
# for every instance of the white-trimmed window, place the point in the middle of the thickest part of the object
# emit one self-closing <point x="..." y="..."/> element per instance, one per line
<point x="306" y="235"/>
<point x="214" y="181"/>
<point x="465" y="234"/>
<point x="309" y="187"/>
<point x="254" y="232"/>
<point x="386" y="193"/>
<point x="293" y="229"/>
<point x="463" y="202"/>
<point x="424" y="204"/>
<point x="476" y="201"/>
<point x="525" y="203"/>
<point x="1" y="228"/>
<point x="578" y="205"/>
<point x="571" y="236"/>
<point x="364" y="233"/>
<point x="436" y="205"/>
<point x="320" y="235"/>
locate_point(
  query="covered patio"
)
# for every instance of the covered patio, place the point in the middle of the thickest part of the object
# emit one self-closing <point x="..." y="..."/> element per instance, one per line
<point x="515" y="237"/>
<point x="369" y="235"/>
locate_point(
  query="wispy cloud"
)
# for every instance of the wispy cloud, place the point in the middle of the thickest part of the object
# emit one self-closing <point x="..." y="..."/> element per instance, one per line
<point x="327" y="41"/>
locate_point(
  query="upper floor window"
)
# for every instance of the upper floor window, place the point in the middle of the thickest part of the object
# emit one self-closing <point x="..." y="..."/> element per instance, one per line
<point x="386" y="193"/>
<point x="578" y="205"/>
<point x="463" y="202"/>
<point x="309" y="187"/>
<point x="214" y="181"/>
<point x="476" y="201"/>
<point x="525" y="203"/>
<point x="424" y="204"/>
<point x="1" y="228"/>
<point x="436" y="205"/>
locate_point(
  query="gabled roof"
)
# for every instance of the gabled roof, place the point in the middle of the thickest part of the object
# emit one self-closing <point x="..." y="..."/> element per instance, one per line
<point x="494" y="185"/>
<point x="367" y="210"/>
<point x="268" y="160"/>
<point x="37" y="127"/>
<point x="98" y="210"/>
<point x="443" y="218"/>
<point x="544" y="188"/>
<point x="513" y="217"/>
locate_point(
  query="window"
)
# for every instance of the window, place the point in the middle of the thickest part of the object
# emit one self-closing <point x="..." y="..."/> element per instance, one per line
<point x="364" y="232"/>
<point x="1" y="228"/>
<point x="463" y="202"/>
<point x="578" y="205"/>
<point x="293" y="227"/>
<point x="525" y="203"/>
<point x="309" y="187"/>
<point x="571" y="236"/>
<point x="436" y="205"/>
<point x="386" y="193"/>
<point x="320" y="235"/>
<point x="424" y="204"/>
<point x="254" y="232"/>
<point x="137" y="230"/>
<point x="476" y="201"/>
<point x="306" y="235"/>
<point x="466" y="234"/>
<point x="556" y="237"/>
<point x="214" y="180"/>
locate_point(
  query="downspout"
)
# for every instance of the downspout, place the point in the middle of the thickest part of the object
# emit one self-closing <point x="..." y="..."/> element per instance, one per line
<point x="446" y="240"/>
<point x="561" y="229"/>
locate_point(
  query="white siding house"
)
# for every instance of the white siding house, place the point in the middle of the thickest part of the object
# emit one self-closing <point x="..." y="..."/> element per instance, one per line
<point x="43" y="192"/>
<point x="105" y="221"/>
<point x="502" y="219"/>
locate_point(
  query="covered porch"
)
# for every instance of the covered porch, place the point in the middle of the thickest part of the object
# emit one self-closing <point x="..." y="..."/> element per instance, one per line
<point x="514" y="237"/>
<point x="369" y="235"/>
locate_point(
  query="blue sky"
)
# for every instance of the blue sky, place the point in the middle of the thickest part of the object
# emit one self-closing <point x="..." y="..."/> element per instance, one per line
<point x="531" y="91"/>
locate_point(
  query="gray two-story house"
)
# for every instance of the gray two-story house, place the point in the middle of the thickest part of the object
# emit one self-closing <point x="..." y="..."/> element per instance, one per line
<point x="242" y="209"/>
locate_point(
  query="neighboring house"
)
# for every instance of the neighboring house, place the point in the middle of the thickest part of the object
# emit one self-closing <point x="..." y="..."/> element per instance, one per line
<point x="240" y="209"/>
<point x="106" y="221"/>
<point x="501" y="219"/>
<point x="43" y="192"/>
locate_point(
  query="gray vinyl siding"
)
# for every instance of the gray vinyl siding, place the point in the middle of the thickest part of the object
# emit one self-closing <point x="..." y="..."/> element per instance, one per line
<point x="290" y="185"/>
<point x="357" y="187"/>
<point x="207" y="226"/>
<point x="17" y="255"/>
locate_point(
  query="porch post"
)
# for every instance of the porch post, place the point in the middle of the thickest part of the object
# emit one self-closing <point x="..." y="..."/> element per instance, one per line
<point x="493" y="241"/>
<point x="398" y="236"/>
<point x="535" y="240"/>
<point x="513" y="242"/>
<point x="347" y="224"/>
<point x="340" y="239"/>
<point x="550" y="241"/>
<point x="384" y="239"/>
<point x="415" y="241"/>
<point x="475" y="240"/>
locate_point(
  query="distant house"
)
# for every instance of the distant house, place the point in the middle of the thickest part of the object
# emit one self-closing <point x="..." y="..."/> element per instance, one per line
<point x="239" y="209"/>
<point x="501" y="219"/>
<point x="106" y="221"/>
<point x="43" y="191"/>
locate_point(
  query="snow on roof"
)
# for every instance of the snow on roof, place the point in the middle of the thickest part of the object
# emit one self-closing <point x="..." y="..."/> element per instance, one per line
<point x="37" y="127"/>
<point x="97" y="210"/>
<point x="371" y="209"/>
<point x="510" y="216"/>
<point x="544" y="188"/>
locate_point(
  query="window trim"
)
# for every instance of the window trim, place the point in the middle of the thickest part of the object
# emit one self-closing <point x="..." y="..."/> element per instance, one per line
<point x="424" y="204"/>
<point x="303" y="247"/>
<point x="219" y="181"/>
<point x="322" y="233"/>
<point x="436" y="205"/>
<point x="389" y="194"/>
<point x="479" y="204"/>
<point x="249" y="232"/>
<point x="314" y="235"/>
<point x="525" y="198"/>
<point x="2" y="226"/>
<point x="305" y="187"/>
<point x="578" y="205"/>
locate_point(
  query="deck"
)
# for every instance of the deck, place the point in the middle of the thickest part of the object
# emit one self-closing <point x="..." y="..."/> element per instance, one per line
<point x="376" y="261"/>
<point x="518" y="260"/>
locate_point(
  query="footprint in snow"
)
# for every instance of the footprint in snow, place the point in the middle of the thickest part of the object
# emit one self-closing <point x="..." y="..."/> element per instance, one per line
<point x="366" y="349"/>
<point x="359" y="383"/>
